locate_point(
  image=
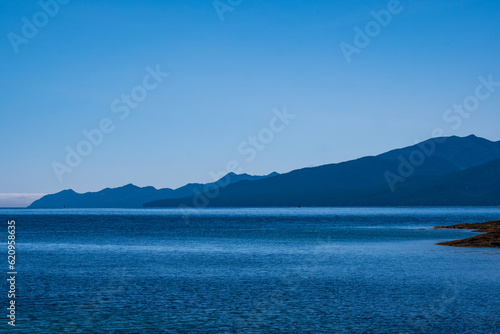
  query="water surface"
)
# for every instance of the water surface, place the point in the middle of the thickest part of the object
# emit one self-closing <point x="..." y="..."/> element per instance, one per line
<point x="331" y="270"/>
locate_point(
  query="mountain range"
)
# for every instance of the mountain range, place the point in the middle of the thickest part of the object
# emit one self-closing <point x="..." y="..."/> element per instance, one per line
<point x="444" y="171"/>
<point x="131" y="196"/>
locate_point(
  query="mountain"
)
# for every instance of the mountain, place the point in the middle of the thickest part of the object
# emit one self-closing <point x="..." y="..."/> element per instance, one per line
<point x="131" y="196"/>
<point x="439" y="171"/>
<point x="462" y="152"/>
<point x="476" y="186"/>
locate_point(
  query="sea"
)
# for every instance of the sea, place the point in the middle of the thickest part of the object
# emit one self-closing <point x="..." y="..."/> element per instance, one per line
<point x="249" y="270"/>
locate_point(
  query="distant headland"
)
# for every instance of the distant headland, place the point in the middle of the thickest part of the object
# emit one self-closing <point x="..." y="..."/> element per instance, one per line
<point x="489" y="238"/>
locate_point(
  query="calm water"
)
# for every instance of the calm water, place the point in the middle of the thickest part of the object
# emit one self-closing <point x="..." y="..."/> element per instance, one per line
<point x="335" y="270"/>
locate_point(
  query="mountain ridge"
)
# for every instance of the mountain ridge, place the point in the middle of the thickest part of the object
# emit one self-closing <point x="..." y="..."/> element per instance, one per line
<point x="362" y="181"/>
<point x="130" y="195"/>
<point x="349" y="183"/>
<point x="475" y="186"/>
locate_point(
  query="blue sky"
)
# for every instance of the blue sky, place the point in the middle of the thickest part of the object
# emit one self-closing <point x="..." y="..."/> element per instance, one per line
<point x="226" y="80"/>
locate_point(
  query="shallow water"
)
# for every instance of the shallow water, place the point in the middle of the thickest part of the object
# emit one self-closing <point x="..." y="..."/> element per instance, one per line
<point x="332" y="270"/>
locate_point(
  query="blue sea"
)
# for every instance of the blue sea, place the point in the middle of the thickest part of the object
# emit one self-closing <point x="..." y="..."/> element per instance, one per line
<point x="262" y="270"/>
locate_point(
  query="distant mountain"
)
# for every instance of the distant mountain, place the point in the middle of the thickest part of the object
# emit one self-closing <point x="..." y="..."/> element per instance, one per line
<point x="123" y="197"/>
<point x="131" y="196"/>
<point x="476" y="186"/>
<point x="439" y="171"/>
<point x="461" y="152"/>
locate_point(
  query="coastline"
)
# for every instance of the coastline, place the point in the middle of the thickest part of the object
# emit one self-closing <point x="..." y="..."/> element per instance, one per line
<point x="490" y="237"/>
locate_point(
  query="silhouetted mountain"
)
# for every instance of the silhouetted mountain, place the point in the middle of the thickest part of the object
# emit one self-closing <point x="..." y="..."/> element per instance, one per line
<point x="131" y="196"/>
<point x="476" y="186"/>
<point x="194" y="188"/>
<point x="461" y="152"/>
<point x="439" y="171"/>
<point x="128" y="196"/>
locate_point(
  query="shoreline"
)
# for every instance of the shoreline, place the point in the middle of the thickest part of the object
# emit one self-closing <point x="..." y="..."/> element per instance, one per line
<point x="490" y="237"/>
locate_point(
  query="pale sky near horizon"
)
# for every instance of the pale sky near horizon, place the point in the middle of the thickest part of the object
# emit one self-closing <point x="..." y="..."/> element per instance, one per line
<point x="230" y="79"/>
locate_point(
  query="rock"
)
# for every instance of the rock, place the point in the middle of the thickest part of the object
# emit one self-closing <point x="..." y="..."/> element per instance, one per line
<point x="490" y="238"/>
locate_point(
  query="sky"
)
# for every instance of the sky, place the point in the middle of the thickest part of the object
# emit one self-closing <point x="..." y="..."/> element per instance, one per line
<point x="100" y="94"/>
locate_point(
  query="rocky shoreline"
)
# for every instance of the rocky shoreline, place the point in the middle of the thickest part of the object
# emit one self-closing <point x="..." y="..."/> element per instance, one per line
<point x="489" y="238"/>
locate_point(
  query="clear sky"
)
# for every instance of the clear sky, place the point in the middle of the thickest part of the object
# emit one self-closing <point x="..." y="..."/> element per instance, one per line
<point x="232" y="67"/>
